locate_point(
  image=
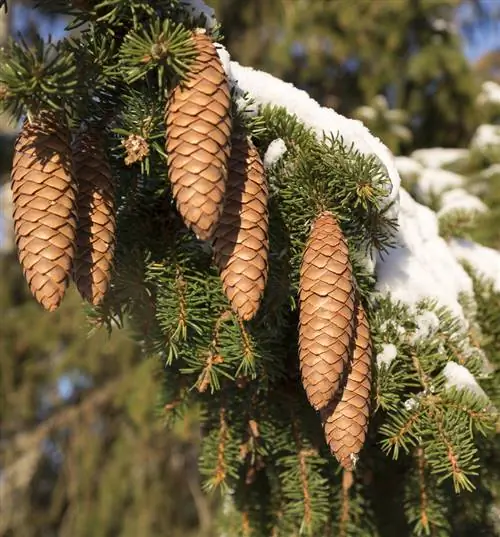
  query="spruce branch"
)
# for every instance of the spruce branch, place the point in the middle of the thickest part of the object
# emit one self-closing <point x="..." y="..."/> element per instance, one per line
<point x="36" y="77"/>
<point x="165" y="46"/>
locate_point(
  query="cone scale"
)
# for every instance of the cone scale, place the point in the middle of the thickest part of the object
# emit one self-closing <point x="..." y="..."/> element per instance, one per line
<point x="345" y="422"/>
<point x="95" y="237"/>
<point x="241" y="242"/>
<point x="198" y="140"/>
<point x="326" y="311"/>
<point x="44" y="199"/>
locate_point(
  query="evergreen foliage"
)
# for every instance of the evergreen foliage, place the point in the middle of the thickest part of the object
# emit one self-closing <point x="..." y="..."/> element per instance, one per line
<point x="262" y="445"/>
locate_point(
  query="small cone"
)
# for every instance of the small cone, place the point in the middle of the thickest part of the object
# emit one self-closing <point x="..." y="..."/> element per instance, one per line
<point x="241" y="242"/>
<point x="95" y="238"/>
<point x="345" y="421"/>
<point x="326" y="311"/>
<point x="198" y="130"/>
<point x="44" y="207"/>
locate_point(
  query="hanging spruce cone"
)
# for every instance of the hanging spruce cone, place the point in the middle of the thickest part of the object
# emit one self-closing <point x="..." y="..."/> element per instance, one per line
<point x="326" y="311"/>
<point x="198" y="130"/>
<point x="345" y="421"/>
<point x="241" y="240"/>
<point x="95" y="238"/>
<point x="44" y="207"/>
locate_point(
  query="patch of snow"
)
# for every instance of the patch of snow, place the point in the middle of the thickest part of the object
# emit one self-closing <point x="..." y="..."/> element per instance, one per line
<point x="275" y="151"/>
<point x="486" y="137"/>
<point x="408" y="168"/>
<point x="459" y="199"/>
<point x="422" y="265"/>
<point x="490" y="93"/>
<point x="490" y="172"/>
<point x="459" y="377"/>
<point x="225" y="58"/>
<point x="198" y="9"/>
<point x="265" y="89"/>
<point x="366" y="112"/>
<point x="434" y="181"/>
<point x="410" y="404"/>
<point x="486" y="261"/>
<point x="438" y="157"/>
<point x="388" y="354"/>
<point x="427" y="326"/>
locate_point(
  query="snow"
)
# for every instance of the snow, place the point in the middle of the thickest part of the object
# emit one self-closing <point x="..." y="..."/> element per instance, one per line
<point x="388" y="354"/>
<point x="265" y="89"/>
<point x="198" y="9"/>
<point x="434" y="181"/>
<point x="486" y="137"/>
<point x="422" y="265"/>
<point x="410" y="404"/>
<point x="275" y="151"/>
<point x="490" y="93"/>
<point x="459" y="377"/>
<point x="438" y="157"/>
<point x="408" y="168"/>
<point x="490" y="171"/>
<point x="427" y="326"/>
<point x="485" y="261"/>
<point x="366" y="112"/>
<point x="459" y="199"/>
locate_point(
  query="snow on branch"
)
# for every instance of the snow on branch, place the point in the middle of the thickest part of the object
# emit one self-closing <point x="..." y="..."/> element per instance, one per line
<point x="423" y="266"/>
<point x="459" y="377"/>
<point x="485" y="261"/>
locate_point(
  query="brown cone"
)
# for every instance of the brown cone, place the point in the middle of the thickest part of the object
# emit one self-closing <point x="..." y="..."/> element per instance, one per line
<point x="198" y="130"/>
<point x="95" y="237"/>
<point x="345" y="421"/>
<point x="326" y="311"/>
<point x="44" y="207"/>
<point x="241" y="240"/>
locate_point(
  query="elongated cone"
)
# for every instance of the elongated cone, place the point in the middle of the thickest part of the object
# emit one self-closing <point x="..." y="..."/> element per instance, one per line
<point x="95" y="238"/>
<point x="198" y="144"/>
<point x="44" y="207"/>
<point x="345" y="421"/>
<point x="326" y="311"/>
<point x="241" y="242"/>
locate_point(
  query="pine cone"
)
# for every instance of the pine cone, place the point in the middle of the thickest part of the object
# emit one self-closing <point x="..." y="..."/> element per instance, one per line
<point x="241" y="239"/>
<point x="198" y="130"/>
<point x="44" y="207"/>
<point x="345" y="421"/>
<point x="326" y="311"/>
<point x="95" y="238"/>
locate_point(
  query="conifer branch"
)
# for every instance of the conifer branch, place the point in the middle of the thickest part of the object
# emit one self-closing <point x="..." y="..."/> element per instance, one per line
<point x="347" y="482"/>
<point x="220" y="471"/>
<point x="302" y="454"/>
<point x="424" y="518"/>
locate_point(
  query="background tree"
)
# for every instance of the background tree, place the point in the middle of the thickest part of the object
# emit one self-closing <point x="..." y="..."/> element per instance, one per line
<point x="346" y="53"/>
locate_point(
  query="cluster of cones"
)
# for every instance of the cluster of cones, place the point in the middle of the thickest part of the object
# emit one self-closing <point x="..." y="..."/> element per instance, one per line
<point x="64" y="196"/>
<point x="63" y="210"/>
<point x="65" y="226"/>
<point x="334" y="341"/>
